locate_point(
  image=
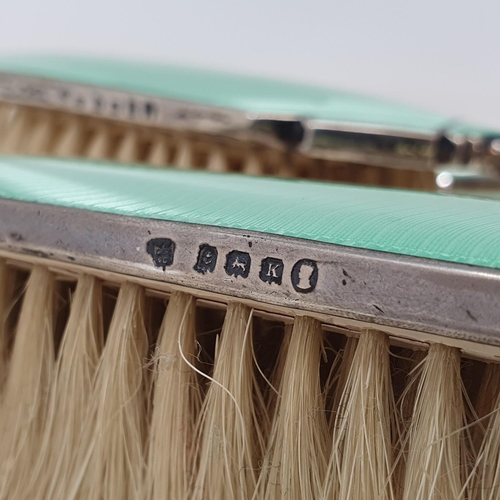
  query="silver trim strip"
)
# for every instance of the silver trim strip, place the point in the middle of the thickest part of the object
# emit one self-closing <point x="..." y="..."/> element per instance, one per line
<point x="337" y="141"/>
<point x="370" y="145"/>
<point x="458" y="301"/>
<point x="128" y="107"/>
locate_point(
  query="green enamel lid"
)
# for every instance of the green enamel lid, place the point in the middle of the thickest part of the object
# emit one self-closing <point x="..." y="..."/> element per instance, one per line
<point x="447" y="228"/>
<point x="244" y="93"/>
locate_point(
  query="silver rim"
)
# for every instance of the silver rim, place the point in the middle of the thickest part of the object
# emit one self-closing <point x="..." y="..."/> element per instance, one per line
<point x="456" y="301"/>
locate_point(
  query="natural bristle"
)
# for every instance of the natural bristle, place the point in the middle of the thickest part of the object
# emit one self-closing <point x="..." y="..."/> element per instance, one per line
<point x="4" y="337"/>
<point x="25" y="400"/>
<point x="485" y="480"/>
<point x="295" y="462"/>
<point x="118" y="409"/>
<point x="434" y="468"/>
<point x="154" y="395"/>
<point x="175" y="404"/>
<point x="71" y="391"/>
<point x="361" y="460"/>
<point x="230" y="439"/>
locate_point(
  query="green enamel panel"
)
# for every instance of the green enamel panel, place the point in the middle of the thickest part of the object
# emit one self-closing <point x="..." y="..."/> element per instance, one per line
<point x="455" y="229"/>
<point x="254" y="95"/>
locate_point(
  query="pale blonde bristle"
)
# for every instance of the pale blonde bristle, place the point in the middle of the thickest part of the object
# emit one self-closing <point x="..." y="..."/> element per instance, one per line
<point x="404" y="413"/>
<point x="70" y="393"/>
<point x="361" y="460"/>
<point x="4" y="337"/>
<point x="127" y="151"/>
<point x="277" y="374"/>
<point x="70" y="139"/>
<point x="158" y="155"/>
<point x="433" y="468"/>
<point x="99" y="144"/>
<point x="175" y="405"/>
<point x="295" y="462"/>
<point x="217" y="161"/>
<point x="4" y="341"/>
<point x="488" y="393"/>
<point x="183" y="158"/>
<point x="252" y="165"/>
<point x="230" y="439"/>
<point x="39" y="142"/>
<point x="24" y="406"/>
<point x="15" y="133"/>
<point x="484" y="483"/>
<point x="347" y="359"/>
<point x="111" y="454"/>
<point x="5" y="113"/>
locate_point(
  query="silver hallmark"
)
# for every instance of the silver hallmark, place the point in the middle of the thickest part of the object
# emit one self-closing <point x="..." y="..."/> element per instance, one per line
<point x="238" y="264"/>
<point x="425" y="295"/>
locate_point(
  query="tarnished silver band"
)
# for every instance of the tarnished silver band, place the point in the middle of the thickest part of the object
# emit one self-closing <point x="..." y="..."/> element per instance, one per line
<point x="124" y="106"/>
<point x="337" y="141"/>
<point x="354" y="143"/>
<point x="457" y="301"/>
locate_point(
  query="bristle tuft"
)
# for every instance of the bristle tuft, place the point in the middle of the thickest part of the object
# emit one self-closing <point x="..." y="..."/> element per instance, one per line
<point x="112" y="461"/>
<point x="69" y="142"/>
<point x="99" y="144"/>
<point x="176" y="404"/>
<point x="433" y="468"/>
<point x="70" y="392"/>
<point x="24" y="408"/>
<point x="127" y="152"/>
<point x="4" y="338"/>
<point x="361" y="461"/>
<point x="484" y="483"/>
<point x="184" y="156"/>
<point x="295" y="462"/>
<point x="230" y="440"/>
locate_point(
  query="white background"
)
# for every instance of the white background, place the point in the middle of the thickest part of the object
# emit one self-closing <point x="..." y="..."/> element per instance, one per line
<point x="440" y="55"/>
